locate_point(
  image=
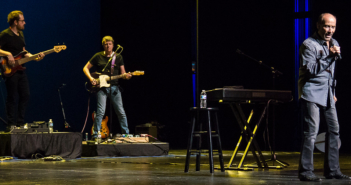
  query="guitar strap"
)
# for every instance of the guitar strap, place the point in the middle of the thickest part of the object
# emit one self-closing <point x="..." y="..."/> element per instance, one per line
<point x="113" y="63"/>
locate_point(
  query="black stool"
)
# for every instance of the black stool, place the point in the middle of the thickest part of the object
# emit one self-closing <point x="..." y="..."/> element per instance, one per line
<point x="194" y="111"/>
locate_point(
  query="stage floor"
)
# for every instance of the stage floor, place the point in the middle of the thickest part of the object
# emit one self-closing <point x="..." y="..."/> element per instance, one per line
<point x="156" y="170"/>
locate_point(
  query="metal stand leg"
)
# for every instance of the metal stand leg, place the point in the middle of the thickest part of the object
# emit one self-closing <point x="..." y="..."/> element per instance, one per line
<point x="249" y="136"/>
<point x="210" y="152"/>
<point x="63" y="111"/>
<point x="219" y="145"/>
<point x="188" y="153"/>
<point x="274" y="157"/>
<point x="199" y="143"/>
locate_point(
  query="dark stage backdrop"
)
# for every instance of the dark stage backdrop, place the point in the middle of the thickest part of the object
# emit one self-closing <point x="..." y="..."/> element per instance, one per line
<point x="156" y="36"/>
<point x="263" y="30"/>
<point x="77" y="24"/>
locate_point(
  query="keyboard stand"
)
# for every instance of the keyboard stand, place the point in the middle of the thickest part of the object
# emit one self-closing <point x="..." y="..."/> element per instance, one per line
<point x="250" y="139"/>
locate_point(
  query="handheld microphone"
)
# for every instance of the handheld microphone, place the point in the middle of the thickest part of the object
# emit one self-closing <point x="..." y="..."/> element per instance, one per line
<point x="338" y="54"/>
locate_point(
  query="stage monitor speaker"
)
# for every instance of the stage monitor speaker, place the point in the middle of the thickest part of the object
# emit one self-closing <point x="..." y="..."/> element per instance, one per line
<point x="150" y="130"/>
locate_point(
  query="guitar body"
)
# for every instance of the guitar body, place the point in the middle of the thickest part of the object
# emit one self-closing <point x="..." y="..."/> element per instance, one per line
<point x="94" y="88"/>
<point x="10" y="70"/>
<point x="105" y="132"/>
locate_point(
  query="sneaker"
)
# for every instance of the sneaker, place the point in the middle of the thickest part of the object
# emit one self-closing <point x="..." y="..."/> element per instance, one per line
<point x="338" y="176"/>
<point x="313" y="178"/>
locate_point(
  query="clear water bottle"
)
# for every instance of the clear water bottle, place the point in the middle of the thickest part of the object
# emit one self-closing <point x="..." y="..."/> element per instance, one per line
<point x="203" y="99"/>
<point x="99" y="137"/>
<point x="51" y="126"/>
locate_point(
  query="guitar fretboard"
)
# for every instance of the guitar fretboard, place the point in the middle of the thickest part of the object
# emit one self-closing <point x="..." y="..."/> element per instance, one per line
<point x="25" y="60"/>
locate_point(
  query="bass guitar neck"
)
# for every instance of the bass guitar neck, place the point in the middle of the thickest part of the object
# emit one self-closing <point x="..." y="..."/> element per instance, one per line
<point x="20" y="59"/>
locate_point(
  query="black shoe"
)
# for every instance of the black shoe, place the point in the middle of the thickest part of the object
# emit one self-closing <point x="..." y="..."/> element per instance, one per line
<point x="338" y="176"/>
<point x="310" y="178"/>
<point x="8" y="128"/>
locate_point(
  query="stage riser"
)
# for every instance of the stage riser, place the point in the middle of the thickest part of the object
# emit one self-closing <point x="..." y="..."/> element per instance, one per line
<point x="130" y="149"/>
<point x="23" y="146"/>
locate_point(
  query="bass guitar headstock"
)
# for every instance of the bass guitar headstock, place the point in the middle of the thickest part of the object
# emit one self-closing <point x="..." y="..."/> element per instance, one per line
<point x="60" y="48"/>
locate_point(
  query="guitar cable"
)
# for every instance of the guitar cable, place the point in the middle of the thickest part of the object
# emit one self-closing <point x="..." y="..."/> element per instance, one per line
<point x="267" y="130"/>
<point x="2" y="95"/>
<point x="86" y="119"/>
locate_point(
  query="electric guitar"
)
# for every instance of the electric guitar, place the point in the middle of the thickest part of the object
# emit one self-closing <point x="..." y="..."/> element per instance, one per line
<point x="104" y="129"/>
<point x="9" y="70"/>
<point x="102" y="79"/>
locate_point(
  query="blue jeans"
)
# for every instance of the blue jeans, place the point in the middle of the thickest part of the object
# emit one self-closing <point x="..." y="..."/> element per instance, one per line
<point x="102" y="95"/>
<point x="311" y="121"/>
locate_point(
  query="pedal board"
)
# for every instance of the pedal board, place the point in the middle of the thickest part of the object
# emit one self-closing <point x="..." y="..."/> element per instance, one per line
<point x="35" y="127"/>
<point x="56" y="158"/>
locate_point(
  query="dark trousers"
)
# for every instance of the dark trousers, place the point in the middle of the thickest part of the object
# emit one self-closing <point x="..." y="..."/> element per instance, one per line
<point x="17" y="86"/>
<point x="311" y="121"/>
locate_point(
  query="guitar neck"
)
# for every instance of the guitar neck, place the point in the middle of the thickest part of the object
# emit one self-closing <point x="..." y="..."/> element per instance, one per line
<point x="114" y="77"/>
<point x="121" y="76"/>
<point x="25" y="60"/>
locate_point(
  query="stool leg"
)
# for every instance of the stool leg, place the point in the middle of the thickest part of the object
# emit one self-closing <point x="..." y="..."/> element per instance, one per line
<point x="210" y="142"/>
<point x="188" y="153"/>
<point x="198" y="154"/>
<point x="219" y="145"/>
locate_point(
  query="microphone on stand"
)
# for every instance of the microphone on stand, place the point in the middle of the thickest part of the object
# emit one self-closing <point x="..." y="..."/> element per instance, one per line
<point x="63" y="111"/>
<point x="114" y="54"/>
<point x="67" y="125"/>
<point x="62" y="86"/>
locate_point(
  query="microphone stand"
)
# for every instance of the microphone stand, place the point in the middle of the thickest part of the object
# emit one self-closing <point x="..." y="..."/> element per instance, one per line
<point x="275" y="73"/>
<point x="110" y="75"/>
<point x="63" y="111"/>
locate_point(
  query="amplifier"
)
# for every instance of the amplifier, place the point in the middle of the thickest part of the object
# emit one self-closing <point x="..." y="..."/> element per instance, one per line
<point x="35" y="127"/>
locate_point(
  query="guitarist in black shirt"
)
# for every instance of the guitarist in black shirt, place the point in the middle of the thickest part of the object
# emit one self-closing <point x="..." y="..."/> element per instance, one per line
<point x="11" y="44"/>
<point x="99" y="61"/>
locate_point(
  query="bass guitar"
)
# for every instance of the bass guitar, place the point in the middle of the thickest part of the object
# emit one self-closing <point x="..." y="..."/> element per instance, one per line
<point x="104" y="129"/>
<point x="9" y="70"/>
<point x="102" y="79"/>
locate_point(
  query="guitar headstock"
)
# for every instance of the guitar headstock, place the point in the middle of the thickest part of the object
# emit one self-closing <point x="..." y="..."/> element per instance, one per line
<point x="59" y="48"/>
<point x="138" y="73"/>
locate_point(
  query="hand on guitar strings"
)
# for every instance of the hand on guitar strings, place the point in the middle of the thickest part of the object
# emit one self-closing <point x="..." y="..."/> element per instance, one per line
<point x="11" y="60"/>
<point x="93" y="81"/>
